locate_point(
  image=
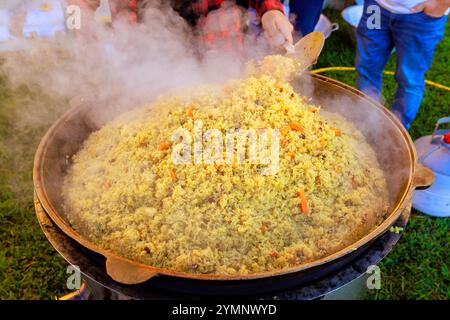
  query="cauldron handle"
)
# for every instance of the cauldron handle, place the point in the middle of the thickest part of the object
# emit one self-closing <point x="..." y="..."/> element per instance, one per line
<point x="125" y="272"/>
<point x="423" y="177"/>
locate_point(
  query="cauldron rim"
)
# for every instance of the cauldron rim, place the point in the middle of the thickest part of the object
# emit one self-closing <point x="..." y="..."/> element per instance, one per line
<point x="128" y="271"/>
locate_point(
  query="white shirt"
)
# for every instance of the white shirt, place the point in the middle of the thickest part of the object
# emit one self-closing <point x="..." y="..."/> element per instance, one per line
<point x="400" y="6"/>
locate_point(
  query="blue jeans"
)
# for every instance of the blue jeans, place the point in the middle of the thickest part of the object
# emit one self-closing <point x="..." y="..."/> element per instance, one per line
<point x="307" y="14"/>
<point x="415" y="37"/>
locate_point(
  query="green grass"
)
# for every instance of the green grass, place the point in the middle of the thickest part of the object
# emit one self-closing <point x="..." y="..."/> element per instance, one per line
<point x="29" y="267"/>
<point x="417" y="268"/>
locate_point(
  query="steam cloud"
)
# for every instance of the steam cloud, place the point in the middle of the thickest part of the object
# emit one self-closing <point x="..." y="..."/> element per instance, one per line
<point x="129" y="64"/>
<point x="122" y="65"/>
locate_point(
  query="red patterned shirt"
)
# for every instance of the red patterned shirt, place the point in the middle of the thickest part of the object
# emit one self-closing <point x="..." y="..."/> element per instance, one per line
<point x="218" y="22"/>
<point x="202" y="7"/>
<point x="199" y="7"/>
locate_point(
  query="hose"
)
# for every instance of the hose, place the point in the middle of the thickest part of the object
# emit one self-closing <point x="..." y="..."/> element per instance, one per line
<point x="391" y="73"/>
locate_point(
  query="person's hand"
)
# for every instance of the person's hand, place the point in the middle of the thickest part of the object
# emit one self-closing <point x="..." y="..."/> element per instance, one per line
<point x="93" y="4"/>
<point x="433" y="8"/>
<point x="277" y="27"/>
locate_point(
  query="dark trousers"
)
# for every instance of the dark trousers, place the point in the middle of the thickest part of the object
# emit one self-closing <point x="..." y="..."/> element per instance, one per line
<point x="307" y="13"/>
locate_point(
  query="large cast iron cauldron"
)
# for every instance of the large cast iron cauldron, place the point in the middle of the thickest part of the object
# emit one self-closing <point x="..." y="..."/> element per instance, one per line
<point x="393" y="145"/>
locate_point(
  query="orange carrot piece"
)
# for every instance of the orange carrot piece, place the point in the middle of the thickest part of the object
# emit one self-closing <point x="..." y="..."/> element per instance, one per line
<point x="173" y="175"/>
<point x="323" y="143"/>
<point x="296" y="127"/>
<point x="106" y="185"/>
<point x="354" y="183"/>
<point x="263" y="228"/>
<point x="190" y="111"/>
<point x="337" y="131"/>
<point x="163" y="146"/>
<point x="285" y="131"/>
<point x="303" y="202"/>
<point x="291" y="154"/>
<point x="143" y="144"/>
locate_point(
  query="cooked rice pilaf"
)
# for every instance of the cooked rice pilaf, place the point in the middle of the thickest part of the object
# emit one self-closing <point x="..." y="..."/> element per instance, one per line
<point x="125" y="194"/>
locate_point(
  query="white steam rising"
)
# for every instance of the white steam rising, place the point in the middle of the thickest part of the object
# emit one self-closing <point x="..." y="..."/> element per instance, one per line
<point x="129" y="64"/>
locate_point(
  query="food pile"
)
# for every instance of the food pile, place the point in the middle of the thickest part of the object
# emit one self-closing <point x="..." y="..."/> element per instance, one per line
<point x="125" y="193"/>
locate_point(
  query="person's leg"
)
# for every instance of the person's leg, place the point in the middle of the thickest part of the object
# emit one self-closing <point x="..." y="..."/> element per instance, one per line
<point x="307" y="14"/>
<point x="415" y="37"/>
<point x="373" y="49"/>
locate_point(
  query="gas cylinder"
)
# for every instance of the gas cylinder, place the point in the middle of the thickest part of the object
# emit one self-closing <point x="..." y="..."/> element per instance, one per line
<point x="434" y="152"/>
